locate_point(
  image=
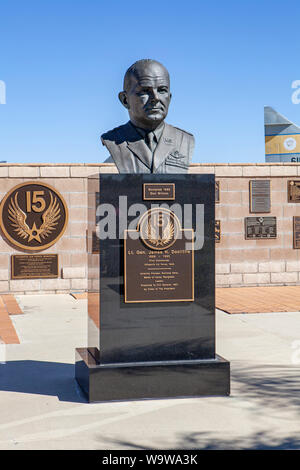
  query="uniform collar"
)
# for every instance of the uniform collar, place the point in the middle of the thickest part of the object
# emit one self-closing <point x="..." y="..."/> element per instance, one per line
<point x="157" y="132"/>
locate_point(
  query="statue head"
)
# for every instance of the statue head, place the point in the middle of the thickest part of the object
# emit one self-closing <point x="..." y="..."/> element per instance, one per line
<point x="146" y="93"/>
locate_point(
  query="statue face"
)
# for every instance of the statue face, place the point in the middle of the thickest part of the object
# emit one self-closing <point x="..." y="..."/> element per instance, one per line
<point x="148" y="97"/>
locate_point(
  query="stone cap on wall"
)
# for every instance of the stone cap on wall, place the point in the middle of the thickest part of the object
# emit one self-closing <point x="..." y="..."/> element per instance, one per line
<point x="82" y="170"/>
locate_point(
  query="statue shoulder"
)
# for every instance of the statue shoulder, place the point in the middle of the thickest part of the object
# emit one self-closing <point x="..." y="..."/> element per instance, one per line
<point x="184" y="141"/>
<point x="116" y="135"/>
<point x="180" y="132"/>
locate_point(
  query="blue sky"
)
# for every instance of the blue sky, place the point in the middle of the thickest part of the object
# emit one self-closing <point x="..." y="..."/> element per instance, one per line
<point x="63" y="63"/>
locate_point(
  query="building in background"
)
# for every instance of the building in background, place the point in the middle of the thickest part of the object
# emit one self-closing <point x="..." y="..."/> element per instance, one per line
<point x="282" y="138"/>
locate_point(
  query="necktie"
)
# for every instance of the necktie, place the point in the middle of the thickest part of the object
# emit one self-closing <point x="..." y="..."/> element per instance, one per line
<point x="150" y="141"/>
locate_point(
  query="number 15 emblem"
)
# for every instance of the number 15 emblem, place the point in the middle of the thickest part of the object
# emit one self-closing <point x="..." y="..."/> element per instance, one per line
<point x="33" y="216"/>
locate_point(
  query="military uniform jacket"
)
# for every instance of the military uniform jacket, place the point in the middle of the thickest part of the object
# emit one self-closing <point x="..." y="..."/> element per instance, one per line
<point x="131" y="154"/>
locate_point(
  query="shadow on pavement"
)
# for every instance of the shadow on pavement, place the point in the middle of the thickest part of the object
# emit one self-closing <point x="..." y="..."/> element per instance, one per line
<point x="208" y="441"/>
<point x="273" y="387"/>
<point x="271" y="392"/>
<point x="257" y="441"/>
<point x="42" y="378"/>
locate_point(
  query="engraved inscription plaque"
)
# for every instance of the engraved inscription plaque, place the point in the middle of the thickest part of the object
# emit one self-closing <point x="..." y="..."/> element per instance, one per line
<point x="296" y="231"/>
<point x="260" y="196"/>
<point x="260" y="227"/>
<point x="294" y="191"/>
<point x="34" y="266"/>
<point x="159" y="191"/>
<point x="157" y="265"/>
<point x="217" y="231"/>
<point x="158" y="276"/>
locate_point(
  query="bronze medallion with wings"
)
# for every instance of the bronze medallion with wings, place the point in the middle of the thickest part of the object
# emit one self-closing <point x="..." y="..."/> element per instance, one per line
<point x="159" y="228"/>
<point x="33" y="216"/>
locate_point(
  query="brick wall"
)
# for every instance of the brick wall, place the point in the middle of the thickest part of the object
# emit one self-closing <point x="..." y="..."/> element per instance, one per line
<point x="71" y="182"/>
<point x="239" y="262"/>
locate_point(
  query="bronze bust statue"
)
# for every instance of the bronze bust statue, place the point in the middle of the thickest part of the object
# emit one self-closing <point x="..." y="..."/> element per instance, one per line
<point x="146" y="144"/>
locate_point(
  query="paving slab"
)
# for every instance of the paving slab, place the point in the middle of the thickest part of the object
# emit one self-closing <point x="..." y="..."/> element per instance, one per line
<point x="41" y="406"/>
<point x="258" y="299"/>
<point x="8" y="334"/>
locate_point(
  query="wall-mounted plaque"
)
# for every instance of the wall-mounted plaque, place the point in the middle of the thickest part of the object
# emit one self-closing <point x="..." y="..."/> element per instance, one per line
<point x="294" y="191"/>
<point x="260" y="227"/>
<point x="157" y="265"/>
<point x="33" y="216"/>
<point x="260" y="196"/>
<point x="296" y="231"/>
<point x="159" y="191"/>
<point x="217" y="231"/>
<point x="217" y="191"/>
<point x="34" y="266"/>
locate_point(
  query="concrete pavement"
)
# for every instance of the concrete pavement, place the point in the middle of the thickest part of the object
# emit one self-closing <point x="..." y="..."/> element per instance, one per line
<point x="41" y="406"/>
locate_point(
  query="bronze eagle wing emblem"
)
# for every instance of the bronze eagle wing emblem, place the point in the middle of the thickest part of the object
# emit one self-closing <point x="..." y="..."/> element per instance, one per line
<point x="18" y="220"/>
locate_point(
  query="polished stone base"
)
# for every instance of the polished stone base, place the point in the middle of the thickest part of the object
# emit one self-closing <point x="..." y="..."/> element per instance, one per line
<point x="133" y="381"/>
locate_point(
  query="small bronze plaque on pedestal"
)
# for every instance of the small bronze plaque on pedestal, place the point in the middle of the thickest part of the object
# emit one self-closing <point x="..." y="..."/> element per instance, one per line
<point x="260" y="227"/>
<point x="158" y="191"/>
<point x="260" y="196"/>
<point x="296" y="231"/>
<point x="293" y="191"/>
<point x="34" y="266"/>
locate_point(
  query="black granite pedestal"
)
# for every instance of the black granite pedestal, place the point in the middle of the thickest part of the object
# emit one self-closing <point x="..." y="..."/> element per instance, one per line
<point x="154" y="331"/>
<point x="157" y="379"/>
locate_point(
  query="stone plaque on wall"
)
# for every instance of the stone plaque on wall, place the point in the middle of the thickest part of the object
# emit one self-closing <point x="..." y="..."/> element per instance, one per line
<point x="260" y="196"/>
<point x="296" y="231"/>
<point x="260" y="227"/>
<point x="34" y="266"/>
<point x="294" y="191"/>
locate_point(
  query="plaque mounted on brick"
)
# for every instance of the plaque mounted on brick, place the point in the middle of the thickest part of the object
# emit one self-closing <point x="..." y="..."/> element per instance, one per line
<point x="260" y="196"/>
<point x="260" y="228"/>
<point x="217" y="192"/>
<point x="217" y="231"/>
<point x="294" y="191"/>
<point x="296" y="231"/>
<point x="42" y="266"/>
<point x="33" y="216"/>
<point x="156" y="290"/>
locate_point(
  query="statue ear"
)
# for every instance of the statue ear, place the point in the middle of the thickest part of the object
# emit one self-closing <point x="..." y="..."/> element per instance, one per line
<point x="123" y="99"/>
